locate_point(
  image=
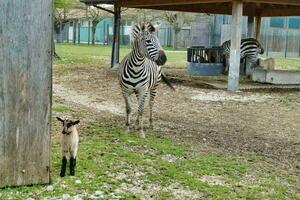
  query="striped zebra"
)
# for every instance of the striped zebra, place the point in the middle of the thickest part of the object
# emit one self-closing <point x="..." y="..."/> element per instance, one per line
<point x="250" y="48"/>
<point x="140" y="71"/>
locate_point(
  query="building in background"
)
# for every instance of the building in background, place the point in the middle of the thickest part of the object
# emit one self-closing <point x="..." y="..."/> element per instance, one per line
<point x="280" y="36"/>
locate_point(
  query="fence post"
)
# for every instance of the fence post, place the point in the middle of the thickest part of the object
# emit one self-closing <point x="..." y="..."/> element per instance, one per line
<point x="25" y="91"/>
<point x="116" y="37"/>
<point x="236" y="34"/>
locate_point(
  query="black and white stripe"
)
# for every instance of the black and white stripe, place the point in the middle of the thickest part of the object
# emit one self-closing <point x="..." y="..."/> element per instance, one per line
<point x="140" y="71"/>
<point x="250" y="48"/>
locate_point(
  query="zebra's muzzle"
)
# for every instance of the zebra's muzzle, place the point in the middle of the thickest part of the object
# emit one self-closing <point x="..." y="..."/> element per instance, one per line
<point x="162" y="58"/>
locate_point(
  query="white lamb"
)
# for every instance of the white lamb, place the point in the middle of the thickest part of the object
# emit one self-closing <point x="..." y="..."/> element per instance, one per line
<point x="69" y="145"/>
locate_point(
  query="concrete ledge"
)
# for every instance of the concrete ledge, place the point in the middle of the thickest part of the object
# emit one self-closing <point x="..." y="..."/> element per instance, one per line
<point x="205" y="69"/>
<point x="281" y="77"/>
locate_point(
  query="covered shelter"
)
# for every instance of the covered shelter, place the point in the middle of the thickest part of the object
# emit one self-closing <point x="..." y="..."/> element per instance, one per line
<point x="254" y="9"/>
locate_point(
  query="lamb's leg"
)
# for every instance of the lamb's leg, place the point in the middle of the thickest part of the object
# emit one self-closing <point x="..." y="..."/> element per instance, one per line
<point x="63" y="167"/>
<point x="72" y="166"/>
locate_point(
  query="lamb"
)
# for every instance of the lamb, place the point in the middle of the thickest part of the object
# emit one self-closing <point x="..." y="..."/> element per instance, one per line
<point x="69" y="145"/>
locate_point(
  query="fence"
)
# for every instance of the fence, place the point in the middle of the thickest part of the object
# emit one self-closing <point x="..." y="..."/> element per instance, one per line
<point x="276" y="41"/>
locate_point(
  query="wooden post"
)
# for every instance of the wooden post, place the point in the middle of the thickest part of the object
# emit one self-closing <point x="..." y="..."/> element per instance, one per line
<point x="116" y="37"/>
<point x="89" y="32"/>
<point x="74" y="31"/>
<point x="236" y="34"/>
<point x="78" y="39"/>
<point x="286" y="36"/>
<point x="251" y="21"/>
<point x="25" y="91"/>
<point x="257" y="33"/>
<point x="250" y="26"/>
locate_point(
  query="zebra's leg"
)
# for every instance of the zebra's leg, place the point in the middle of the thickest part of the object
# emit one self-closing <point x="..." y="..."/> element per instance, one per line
<point x="128" y="111"/>
<point x="142" y="94"/>
<point x="151" y="103"/>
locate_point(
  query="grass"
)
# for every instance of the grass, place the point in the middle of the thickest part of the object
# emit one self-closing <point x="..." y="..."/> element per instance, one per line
<point x="101" y="54"/>
<point x="124" y="166"/>
<point x="109" y="160"/>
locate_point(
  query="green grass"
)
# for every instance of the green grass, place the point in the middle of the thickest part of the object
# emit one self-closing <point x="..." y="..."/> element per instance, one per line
<point x="60" y="108"/>
<point x="108" y="158"/>
<point x="101" y="54"/>
<point x="106" y="153"/>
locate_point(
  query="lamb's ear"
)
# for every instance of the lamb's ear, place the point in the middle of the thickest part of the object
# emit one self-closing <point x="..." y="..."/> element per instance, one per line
<point x="59" y="119"/>
<point x="76" y="122"/>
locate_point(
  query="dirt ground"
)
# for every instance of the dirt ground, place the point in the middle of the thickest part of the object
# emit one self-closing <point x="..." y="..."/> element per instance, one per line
<point x="260" y="123"/>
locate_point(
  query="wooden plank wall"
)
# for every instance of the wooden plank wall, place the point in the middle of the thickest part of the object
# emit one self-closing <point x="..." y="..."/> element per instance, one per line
<point x="25" y="91"/>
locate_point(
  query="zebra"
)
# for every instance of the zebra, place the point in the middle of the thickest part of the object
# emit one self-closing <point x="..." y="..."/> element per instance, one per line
<point x="140" y="72"/>
<point x="250" y="48"/>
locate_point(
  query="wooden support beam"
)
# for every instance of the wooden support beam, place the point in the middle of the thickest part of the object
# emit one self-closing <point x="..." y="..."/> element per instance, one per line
<point x="258" y="23"/>
<point x="26" y="38"/>
<point x="139" y="3"/>
<point x="279" y="2"/>
<point x="251" y="28"/>
<point x="74" y="31"/>
<point x="89" y="32"/>
<point x="251" y="13"/>
<point x="116" y="37"/>
<point x="79" y="25"/>
<point x="236" y="34"/>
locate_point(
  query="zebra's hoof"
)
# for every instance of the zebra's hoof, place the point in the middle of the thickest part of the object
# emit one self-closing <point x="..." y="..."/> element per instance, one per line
<point x="127" y="130"/>
<point x="142" y="134"/>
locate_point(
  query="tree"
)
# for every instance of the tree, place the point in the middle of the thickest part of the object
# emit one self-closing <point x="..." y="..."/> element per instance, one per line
<point x="95" y="15"/>
<point x="178" y="20"/>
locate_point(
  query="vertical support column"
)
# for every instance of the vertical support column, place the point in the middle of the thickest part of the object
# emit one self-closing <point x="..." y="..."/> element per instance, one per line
<point x="74" y="31"/>
<point x="250" y="21"/>
<point x="116" y="37"/>
<point x="89" y="32"/>
<point x="257" y="33"/>
<point x="79" y="26"/>
<point x="25" y="92"/>
<point x="250" y="26"/>
<point x="236" y="34"/>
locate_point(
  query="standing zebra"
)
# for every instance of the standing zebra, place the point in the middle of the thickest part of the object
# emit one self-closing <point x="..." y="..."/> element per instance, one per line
<point x="250" y="48"/>
<point x="140" y="71"/>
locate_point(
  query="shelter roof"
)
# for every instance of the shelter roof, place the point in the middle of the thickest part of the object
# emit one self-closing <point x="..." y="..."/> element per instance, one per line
<point x="263" y="8"/>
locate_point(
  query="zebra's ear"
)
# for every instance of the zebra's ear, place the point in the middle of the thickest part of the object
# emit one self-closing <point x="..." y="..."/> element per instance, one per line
<point x="151" y="28"/>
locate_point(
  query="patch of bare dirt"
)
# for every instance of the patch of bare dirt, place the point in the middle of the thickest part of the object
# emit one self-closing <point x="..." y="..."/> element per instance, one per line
<point x="264" y="124"/>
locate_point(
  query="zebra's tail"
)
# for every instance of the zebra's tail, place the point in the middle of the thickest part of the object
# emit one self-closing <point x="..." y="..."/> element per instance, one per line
<point x="167" y="81"/>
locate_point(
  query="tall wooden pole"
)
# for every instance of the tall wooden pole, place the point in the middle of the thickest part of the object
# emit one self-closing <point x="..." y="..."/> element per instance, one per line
<point x="116" y="37"/>
<point x="25" y="92"/>
<point x="79" y="26"/>
<point x="257" y="33"/>
<point x="74" y="31"/>
<point x="89" y="32"/>
<point x="251" y="21"/>
<point x="236" y="34"/>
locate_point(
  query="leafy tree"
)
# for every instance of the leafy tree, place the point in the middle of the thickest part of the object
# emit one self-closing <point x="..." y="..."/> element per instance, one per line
<point x="178" y="20"/>
<point x="95" y="15"/>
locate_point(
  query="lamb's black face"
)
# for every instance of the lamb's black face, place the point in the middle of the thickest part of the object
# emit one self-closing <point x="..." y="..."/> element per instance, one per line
<point x="67" y="125"/>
